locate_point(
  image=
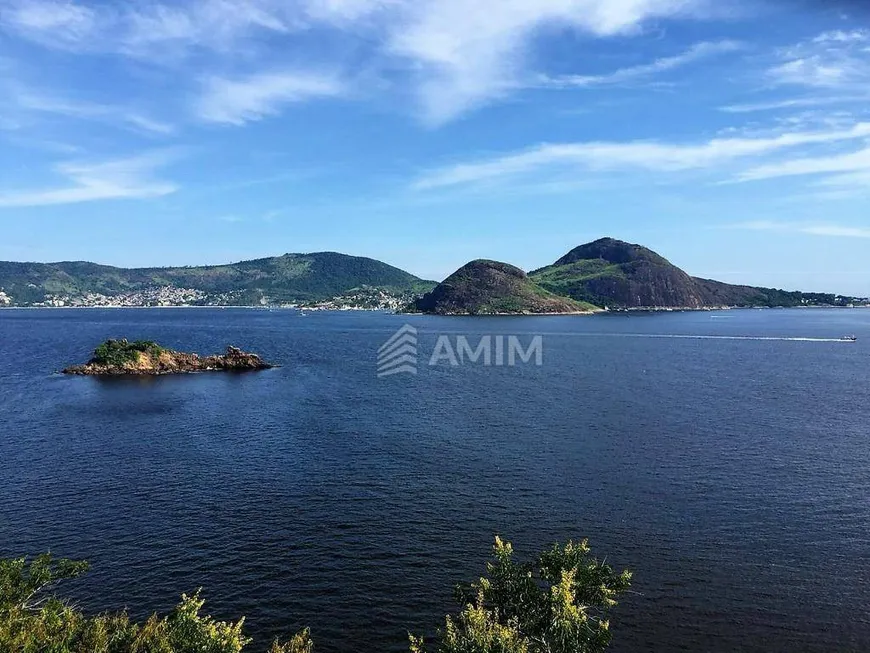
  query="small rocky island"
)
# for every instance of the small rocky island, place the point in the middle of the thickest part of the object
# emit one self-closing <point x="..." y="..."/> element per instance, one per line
<point x="147" y="358"/>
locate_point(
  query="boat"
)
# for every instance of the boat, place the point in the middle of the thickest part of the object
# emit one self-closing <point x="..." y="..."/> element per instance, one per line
<point x="850" y="338"/>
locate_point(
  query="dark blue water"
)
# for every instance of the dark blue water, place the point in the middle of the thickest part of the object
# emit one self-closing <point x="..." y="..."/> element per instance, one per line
<point x="732" y="475"/>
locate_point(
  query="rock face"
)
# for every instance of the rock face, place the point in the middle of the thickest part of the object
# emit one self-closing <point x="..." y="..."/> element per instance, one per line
<point x="485" y="287"/>
<point x="613" y="273"/>
<point x="120" y="357"/>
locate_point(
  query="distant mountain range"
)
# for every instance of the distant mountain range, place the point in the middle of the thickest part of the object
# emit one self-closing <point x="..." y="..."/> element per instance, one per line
<point x="291" y="278"/>
<point x="606" y="273"/>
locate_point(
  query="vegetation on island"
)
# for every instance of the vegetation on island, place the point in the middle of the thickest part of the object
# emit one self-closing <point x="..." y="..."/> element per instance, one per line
<point x="145" y="357"/>
<point x="121" y="352"/>
<point x="557" y="604"/>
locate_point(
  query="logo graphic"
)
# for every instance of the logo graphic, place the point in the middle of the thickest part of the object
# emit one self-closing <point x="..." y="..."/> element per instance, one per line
<point x="398" y="355"/>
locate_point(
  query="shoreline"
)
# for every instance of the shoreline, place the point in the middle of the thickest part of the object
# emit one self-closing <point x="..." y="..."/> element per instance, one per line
<point x="504" y="314"/>
<point x="639" y="309"/>
<point x="260" y="308"/>
<point x="643" y="309"/>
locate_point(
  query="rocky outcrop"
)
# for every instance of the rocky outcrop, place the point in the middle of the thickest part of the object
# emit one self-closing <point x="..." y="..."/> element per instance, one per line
<point x="119" y="357"/>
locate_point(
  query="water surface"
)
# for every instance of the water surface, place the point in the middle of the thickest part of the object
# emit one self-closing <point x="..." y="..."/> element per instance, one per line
<point x="732" y="474"/>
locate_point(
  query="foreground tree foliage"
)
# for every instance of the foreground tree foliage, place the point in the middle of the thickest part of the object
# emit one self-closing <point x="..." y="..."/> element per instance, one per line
<point x="558" y="604"/>
<point x="34" y="620"/>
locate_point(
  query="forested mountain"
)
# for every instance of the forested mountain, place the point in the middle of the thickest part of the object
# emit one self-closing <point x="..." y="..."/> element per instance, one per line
<point x="616" y="274"/>
<point x="488" y="287"/>
<point x="279" y="279"/>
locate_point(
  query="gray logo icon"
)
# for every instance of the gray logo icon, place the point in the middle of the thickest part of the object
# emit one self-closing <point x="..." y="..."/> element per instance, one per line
<point x="398" y="355"/>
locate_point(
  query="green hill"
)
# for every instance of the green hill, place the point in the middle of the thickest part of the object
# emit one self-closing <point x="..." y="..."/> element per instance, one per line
<point x="287" y="278"/>
<point x="484" y="287"/>
<point x="616" y="274"/>
<point x="609" y="272"/>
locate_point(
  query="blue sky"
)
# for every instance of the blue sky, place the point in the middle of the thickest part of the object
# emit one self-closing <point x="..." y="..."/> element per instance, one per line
<point x="733" y="138"/>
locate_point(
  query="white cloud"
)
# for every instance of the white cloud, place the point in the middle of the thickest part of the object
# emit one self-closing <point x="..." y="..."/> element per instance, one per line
<point x="343" y="12"/>
<point x="848" y="162"/>
<point x="139" y="29"/>
<point x="836" y="230"/>
<point x="859" y="180"/>
<point x="146" y="123"/>
<point x="840" y="36"/>
<point x="130" y="178"/>
<point x="57" y="23"/>
<point x="90" y="111"/>
<point x="644" y="155"/>
<point x="833" y="60"/>
<point x="817" y="70"/>
<point x="697" y="52"/>
<point x="465" y="54"/>
<point x="155" y="29"/>
<point x="237" y="101"/>
<point x="795" y="103"/>
<point x="808" y="228"/>
<point x="456" y="55"/>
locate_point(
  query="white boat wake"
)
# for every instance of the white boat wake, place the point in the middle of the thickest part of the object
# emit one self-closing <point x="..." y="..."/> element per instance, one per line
<point x="689" y="336"/>
<point x="677" y="336"/>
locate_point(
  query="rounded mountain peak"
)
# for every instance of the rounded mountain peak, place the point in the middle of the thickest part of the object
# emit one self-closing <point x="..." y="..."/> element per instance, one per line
<point x="613" y="251"/>
<point x="483" y="287"/>
<point x="483" y="266"/>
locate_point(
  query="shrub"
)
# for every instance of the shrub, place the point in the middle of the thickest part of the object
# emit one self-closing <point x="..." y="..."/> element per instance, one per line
<point x="558" y="604"/>
<point x="119" y="352"/>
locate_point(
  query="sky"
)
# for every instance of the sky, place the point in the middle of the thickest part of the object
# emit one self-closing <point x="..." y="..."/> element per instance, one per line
<point x="731" y="137"/>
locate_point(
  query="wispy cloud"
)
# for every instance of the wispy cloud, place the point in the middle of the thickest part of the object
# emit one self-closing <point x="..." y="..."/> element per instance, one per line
<point x="844" y="36"/>
<point x="832" y="60"/>
<point x="237" y="101"/>
<point x="164" y="31"/>
<point x="817" y="70"/>
<point x="141" y="29"/>
<point x="132" y="118"/>
<point x="54" y="23"/>
<point x="697" y="52"/>
<point x="467" y="55"/>
<point x="451" y="56"/>
<point x="858" y="180"/>
<point x="848" y="162"/>
<point x="808" y="228"/>
<point x="130" y="178"/>
<point x="633" y="155"/>
<point x="796" y="103"/>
